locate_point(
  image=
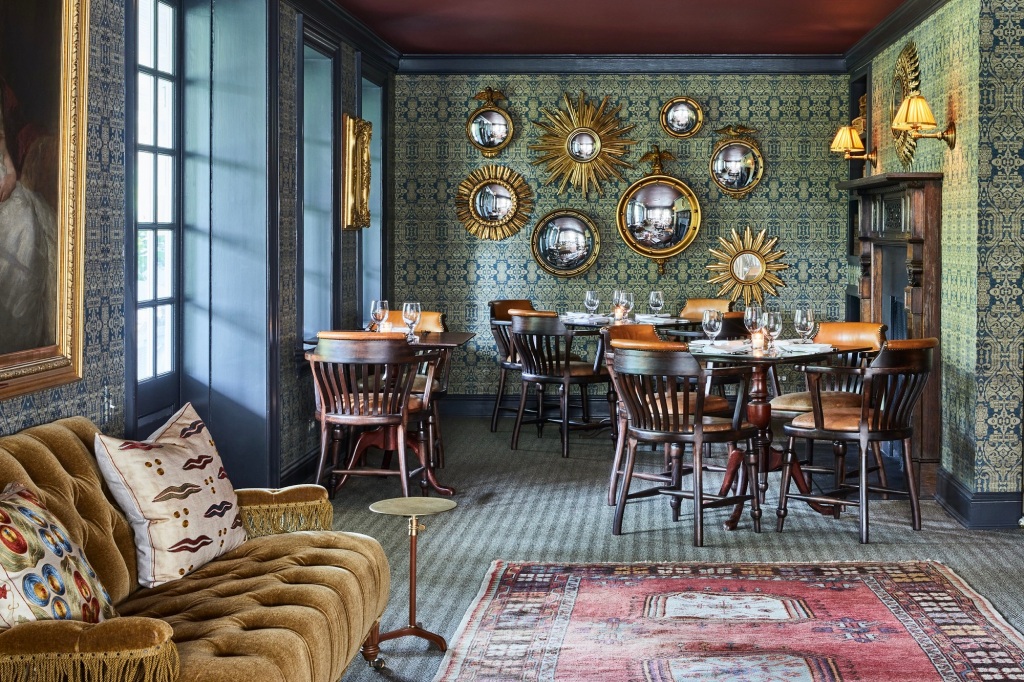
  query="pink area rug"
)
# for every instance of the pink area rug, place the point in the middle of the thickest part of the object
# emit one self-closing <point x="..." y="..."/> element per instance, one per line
<point x="729" y="622"/>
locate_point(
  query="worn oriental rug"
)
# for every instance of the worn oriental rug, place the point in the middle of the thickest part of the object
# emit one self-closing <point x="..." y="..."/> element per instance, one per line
<point x="728" y="622"/>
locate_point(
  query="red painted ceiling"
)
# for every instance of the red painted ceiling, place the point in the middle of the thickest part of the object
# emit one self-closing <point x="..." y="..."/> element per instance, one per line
<point x="620" y="27"/>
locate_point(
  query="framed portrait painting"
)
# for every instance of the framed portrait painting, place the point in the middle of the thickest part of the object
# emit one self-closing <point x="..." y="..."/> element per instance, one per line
<point x="43" y="82"/>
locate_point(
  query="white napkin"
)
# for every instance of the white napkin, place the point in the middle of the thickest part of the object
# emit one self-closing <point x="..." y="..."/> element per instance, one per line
<point x="793" y="347"/>
<point x="733" y="344"/>
<point x="663" y="318"/>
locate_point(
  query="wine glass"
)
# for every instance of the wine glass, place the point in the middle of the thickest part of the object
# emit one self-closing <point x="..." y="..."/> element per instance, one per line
<point x="752" y="317"/>
<point x="378" y="313"/>
<point x="712" y="323"/>
<point x="803" y="322"/>
<point x="772" y="327"/>
<point x="591" y="302"/>
<point x="626" y="301"/>
<point x="656" y="301"/>
<point x="411" y="316"/>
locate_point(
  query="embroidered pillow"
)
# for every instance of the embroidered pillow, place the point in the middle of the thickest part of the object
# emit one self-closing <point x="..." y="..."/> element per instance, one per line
<point x="43" y="575"/>
<point x="176" y="496"/>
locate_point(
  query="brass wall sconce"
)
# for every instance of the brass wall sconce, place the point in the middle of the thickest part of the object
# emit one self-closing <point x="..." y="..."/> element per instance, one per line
<point x="914" y="115"/>
<point x="848" y="143"/>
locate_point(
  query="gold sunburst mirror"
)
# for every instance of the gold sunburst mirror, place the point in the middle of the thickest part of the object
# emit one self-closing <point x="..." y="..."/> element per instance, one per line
<point x="906" y="80"/>
<point x="747" y="266"/>
<point x="582" y="144"/>
<point x="493" y="202"/>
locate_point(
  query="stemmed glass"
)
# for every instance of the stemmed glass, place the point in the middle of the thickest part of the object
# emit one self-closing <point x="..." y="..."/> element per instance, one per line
<point x="591" y="302"/>
<point x="712" y="323"/>
<point x="803" y="322"/>
<point x="772" y="327"/>
<point x="411" y="316"/>
<point x="752" y="317"/>
<point x="656" y="301"/>
<point x="378" y="313"/>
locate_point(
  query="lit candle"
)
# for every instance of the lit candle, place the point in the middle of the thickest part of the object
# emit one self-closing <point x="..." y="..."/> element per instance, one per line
<point x="618" y="312"/>
<point x="757" y="340"/>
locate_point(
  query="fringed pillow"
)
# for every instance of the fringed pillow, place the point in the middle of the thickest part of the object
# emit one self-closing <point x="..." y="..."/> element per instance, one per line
<point x="178" y="500"/>
<point x="43" y="574"/>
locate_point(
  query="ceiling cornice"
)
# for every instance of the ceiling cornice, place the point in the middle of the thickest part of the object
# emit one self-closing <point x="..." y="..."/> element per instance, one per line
<point x="637" y="64"/>
<point x="895" y="26"/>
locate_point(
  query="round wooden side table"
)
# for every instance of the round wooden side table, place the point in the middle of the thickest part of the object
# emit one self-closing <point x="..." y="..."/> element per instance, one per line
<point x="413" y="507"/>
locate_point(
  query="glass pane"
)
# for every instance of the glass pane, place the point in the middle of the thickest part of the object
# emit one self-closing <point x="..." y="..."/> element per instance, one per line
<point x="164" y="113"/>
<point x="145" y="344"/>
<point x="165" y="38"/>
<point x="145" y="121"/>
<point x="164" y="338"/>
<point x="146" y="33"/>
<point x="164" y="188"/>
<point x="146" y="275"/>
<point x="144" y="195"/>
<point x="164" y="264"/>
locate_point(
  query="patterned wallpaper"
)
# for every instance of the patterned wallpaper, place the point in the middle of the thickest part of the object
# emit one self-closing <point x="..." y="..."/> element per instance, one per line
<point x="971" y="54"/>
<point x="103" y="278"/>
<point x="440" y="264"/>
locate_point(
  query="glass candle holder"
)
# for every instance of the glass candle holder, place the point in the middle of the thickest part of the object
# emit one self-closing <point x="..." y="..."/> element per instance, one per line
<point x="757" y="340"/>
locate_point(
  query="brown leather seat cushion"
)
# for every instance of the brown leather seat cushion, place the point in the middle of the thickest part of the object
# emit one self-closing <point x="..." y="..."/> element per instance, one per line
<point x="838" y="419"/>
<point x="801" y="401"/>
<point x="580" y="368"/>
<point x="271" y="609"/>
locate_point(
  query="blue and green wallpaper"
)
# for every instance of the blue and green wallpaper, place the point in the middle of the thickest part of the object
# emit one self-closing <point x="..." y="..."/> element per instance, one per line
<point x="443" y="266"/>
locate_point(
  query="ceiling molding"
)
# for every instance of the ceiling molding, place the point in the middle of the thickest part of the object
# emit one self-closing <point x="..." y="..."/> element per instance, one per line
<point x="410" y="64"/>
<point x="330" y="17"/>
<point x="892" y="29"/>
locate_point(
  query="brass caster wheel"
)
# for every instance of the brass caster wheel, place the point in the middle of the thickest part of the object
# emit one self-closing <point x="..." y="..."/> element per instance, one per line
<point x="377" y="664"/>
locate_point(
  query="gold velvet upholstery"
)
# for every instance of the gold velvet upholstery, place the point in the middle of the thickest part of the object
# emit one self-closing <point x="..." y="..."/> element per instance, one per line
<point x="287" y="607"/>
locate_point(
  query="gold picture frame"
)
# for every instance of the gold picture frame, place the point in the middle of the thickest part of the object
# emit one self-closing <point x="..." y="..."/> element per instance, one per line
<point x="51" y="177"/>
<point x="737" y="164"/>
<point x="682" y="117"/>
<point x="747" y="266"/>
<point x="355" y="159"/>
<point x="582" y="144"/>
<point x="658" y="216"/>
<point x="490" y="128"/>
<point x="565" y="242"/>
<point x="493" y="202"/>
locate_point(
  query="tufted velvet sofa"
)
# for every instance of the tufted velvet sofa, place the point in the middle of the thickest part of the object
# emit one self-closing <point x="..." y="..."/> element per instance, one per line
<point x="285" y="605"/>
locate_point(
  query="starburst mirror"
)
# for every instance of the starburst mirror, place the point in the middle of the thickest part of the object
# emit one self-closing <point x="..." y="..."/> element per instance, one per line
<point x="493" y="202"/>
<point x="582" y="144"/>
<point x="747" y="266"/>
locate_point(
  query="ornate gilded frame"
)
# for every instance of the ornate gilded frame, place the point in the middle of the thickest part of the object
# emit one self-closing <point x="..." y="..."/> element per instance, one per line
<point x="747" y="266"/>
<point x="490" y="128"/>
<point x="25" y="371"/>
<point x="355" y="157"/>
<point x="665" y="234"/>
<point x="682" y="117"/>
<point x="565" y="258"/>
<point x="582" y="144"/>
<point x="906" y="80"/>
<point x="737" y="164"/>
<point x="494" y="202"/>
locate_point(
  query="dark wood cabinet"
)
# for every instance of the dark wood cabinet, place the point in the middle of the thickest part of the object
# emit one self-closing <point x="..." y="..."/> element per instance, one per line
<point x="898" y="235"/>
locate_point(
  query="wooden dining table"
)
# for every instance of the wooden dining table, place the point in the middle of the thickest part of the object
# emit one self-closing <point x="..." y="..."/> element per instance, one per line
<point x="759" y="411"/>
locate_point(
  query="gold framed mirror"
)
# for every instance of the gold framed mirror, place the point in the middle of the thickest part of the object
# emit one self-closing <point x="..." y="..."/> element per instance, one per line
<point x="490" y="128"/>
<point x="682" y="117"/>
<point x="493" y="202"/>
<point x="355" y="157"/>
<point x="906" y="80"/>
<point x="565" y="242"/>
<point x="737" y="164"/>
<point x="658" y="215"/>
<point x="747" y="266"/>
<point x="582" y="144"/>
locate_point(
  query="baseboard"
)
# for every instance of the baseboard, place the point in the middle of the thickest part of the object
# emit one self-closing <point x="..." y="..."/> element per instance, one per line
<point x="301" y="471"/>
<point x="977" y="511"/>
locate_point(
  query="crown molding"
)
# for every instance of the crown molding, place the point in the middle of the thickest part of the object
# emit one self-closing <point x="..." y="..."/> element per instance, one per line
<point x="349" y="29"/>
<point x="638" y="64"/>
<point x="893" y="28"/>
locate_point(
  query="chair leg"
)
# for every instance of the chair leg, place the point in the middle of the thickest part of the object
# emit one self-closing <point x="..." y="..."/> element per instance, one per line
<point x="627" y="479"/>
<point x="563" y="395"/>
<point x="436" y="438"/>
<point x="540" y="388"/>
<point x="401" y="461"/>
<point x="698" y="493"/>
<point x="524" y="392"/>
<point x="585" y="403"/>
<point x="322" y="463"/>
<point x="755" y="498"/>
<point x="912" y="489"/>
<point x="498" y="398"/>
<point x="788" y="455"/>
<point x="863" y="492"/>
<point x="620" y="443"/>
<point x="675" y="468"/>
<point x="883" y="478"/>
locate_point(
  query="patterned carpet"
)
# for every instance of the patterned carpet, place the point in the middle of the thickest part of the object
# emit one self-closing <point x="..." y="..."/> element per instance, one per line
<point x="644" y="622"/>
<point x="532" y="505"/>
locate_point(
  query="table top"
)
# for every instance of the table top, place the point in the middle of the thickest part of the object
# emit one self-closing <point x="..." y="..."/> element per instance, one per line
<point x="442" y="339"/>
<point x="763" y="358"/>
<point x="412" y="506"/>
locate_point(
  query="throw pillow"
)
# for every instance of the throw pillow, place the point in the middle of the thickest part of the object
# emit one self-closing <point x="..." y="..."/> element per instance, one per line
<point x="178" y="500"/>
<point x="43" y="575"/>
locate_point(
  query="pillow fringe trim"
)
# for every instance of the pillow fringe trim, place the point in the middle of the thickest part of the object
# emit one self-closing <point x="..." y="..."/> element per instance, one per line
<point x="155" y="664"/>
<point x="273" y="519"/>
